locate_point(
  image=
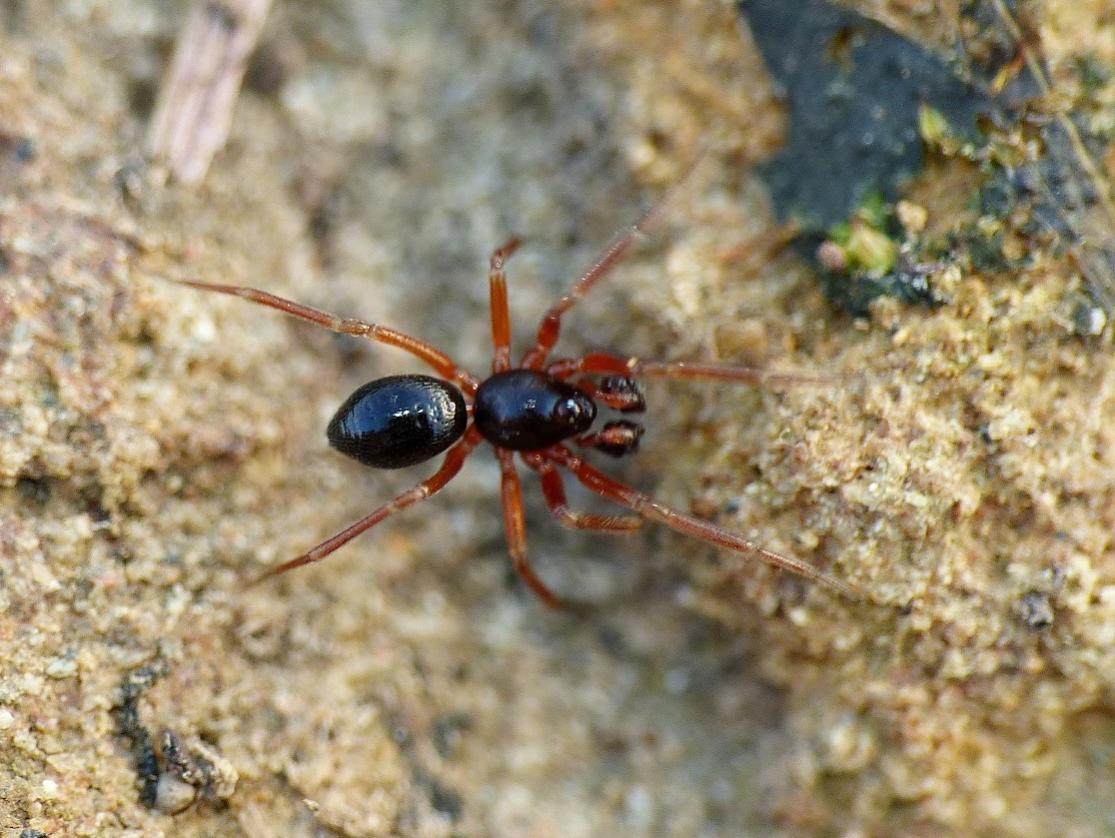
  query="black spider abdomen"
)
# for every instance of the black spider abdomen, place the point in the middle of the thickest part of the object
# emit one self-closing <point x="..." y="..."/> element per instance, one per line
<point x="399" y="421"/>
<point x="527" y="410"/>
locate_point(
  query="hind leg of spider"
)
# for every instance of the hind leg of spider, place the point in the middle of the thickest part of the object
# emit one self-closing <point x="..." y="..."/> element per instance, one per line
<point x="511" y="494"/>
<point x="501" y="319"/>
<point x="450" y="467"/>
<point x="553" y="489"/>
<point x="601" y="363"/>
<point x="550" y="328"/>
<point x="687" y="524"/>
<point x="434" y="357"/>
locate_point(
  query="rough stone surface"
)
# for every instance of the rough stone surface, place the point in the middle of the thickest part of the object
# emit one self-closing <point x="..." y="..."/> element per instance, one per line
<point x="160" y="445"/>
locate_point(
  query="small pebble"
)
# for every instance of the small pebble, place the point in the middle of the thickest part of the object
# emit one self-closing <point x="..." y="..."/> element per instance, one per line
<point x="172" y="795"/>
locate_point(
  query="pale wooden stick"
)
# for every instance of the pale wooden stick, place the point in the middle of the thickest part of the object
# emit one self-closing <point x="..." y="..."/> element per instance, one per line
<point x="194" y="110"/>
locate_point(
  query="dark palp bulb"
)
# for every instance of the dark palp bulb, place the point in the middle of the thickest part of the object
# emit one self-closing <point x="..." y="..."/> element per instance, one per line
<point x="399" y="421"/>
<point x="622" y="394"/>
<point x="616" y="439"/>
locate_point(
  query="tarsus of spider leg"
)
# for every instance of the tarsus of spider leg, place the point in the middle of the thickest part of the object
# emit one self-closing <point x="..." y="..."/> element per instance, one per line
<point x="687" y="524"/>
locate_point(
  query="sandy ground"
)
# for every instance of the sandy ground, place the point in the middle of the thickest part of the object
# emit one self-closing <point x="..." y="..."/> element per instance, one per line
<point x="158" y="446"/>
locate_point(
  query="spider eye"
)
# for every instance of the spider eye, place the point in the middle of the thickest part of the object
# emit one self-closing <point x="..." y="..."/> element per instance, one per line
<point x="568" y="408"/>
<point x="576" y="412"/>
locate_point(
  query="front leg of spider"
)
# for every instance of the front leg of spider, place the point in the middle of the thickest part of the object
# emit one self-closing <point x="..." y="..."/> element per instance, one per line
<point x="687" y="524"/>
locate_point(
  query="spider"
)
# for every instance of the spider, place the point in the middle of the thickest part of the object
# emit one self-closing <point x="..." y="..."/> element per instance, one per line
<point x="533" y="409"/>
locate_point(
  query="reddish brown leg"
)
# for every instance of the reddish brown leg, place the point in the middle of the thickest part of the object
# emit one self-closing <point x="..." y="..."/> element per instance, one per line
<point x="554" y="490"/>
<point x="438" y="360"/>
<point x="687" y="524"/>
<point x="603" y="363"/>
<point x="515" y="525"/>
<point x="449" y="469"/>
<point x="550" y="328"/>
<point x="501" y="318"/>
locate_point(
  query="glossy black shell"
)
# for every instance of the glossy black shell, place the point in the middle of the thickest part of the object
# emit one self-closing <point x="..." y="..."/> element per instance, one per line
<point x="525" y="410"/>
<point x="399" y="421"/>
